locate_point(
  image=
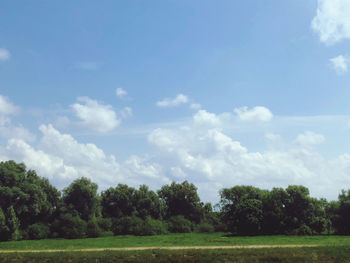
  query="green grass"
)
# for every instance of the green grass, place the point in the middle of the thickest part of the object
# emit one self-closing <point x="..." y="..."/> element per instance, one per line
<point x="292" y="255"/>
<point x="193" y="239"/>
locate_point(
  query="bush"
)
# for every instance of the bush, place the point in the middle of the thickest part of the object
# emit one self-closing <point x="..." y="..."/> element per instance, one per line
<point x="128" y="225"/>
<point x="152" y="227"/>
<point x="133" y="225"/>
<point x="205" y="227"/>
<point x="179" y="224"/>
<point x="69" y="226"/>
<point x="38" y="231"/>
<point x="93" y="229"/>
<point x="107" y="234"/>
<point x="104" y="223"/>
<point x="303" y="230"/>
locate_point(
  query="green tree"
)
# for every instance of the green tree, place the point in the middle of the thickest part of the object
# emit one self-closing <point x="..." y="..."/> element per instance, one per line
<point x="273" y="211"/>
<point x="13" y="224"/>
<point x="147" y="203"/>
<point x="341" y="221"/>
<point x="81" y="197"/>
<point x="298" y="208"/>
<point x="182" y="199"/>
<point x="242" y="209"/>
<point x="118" y="202"/>
<point x="124" y="201"/>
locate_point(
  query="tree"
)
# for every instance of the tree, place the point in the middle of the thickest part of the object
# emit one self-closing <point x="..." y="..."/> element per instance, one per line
<point x="4" y="230"/>
<point x="273" y="211"/>
<point x="341" y="221"/>
<point x="182" y="199"/>
<point x="81" y="197"/>
<point x="118" y="202"/>
<point x="147" y="203"/>
<point x="127" y="201"/>
<point x="11" y="173"/>
<point x="12" y="224"/>
<point x="242" y="209"/>
<point x="32" y="198"/>
<point x="298" y="208"/>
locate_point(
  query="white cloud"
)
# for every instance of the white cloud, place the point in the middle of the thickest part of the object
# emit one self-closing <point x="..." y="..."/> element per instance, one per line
<point x="16" y="132"/>
<point x="332" y="20"/>
<point x="4" y="54"/>
<point x="96" y="116"/>
<point x="86" y="65"/>
<point x="256" y="114"/>
<point x="120" y="92"/>
<point x="7" y="107"/>
<point x="207" y="156"/>
<point x="203" y="117"/>
<point x="172" y="102"/>
<point x="309" y="138"/>
<point x="62" y="159"/>
<point x="7" y="129"/>
<point x="339" y="64"/>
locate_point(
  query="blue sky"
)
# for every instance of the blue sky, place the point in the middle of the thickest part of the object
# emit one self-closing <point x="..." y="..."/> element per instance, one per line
<point x="218" y="93"/>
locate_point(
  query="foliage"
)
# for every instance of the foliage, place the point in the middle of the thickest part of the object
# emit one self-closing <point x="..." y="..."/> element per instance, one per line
<point x="38" y="231"/>
<point x="182" y="199"/>
<point x="69" y="226"/>
<point x="242" y="209"/>
<point x="31" y="208"/>
<point x="179" y="224"/>
<point x="205" y="227"/>
<point x="93" y="229"/>
<point x="81" y="196"/>
<point x="124" y="201"/>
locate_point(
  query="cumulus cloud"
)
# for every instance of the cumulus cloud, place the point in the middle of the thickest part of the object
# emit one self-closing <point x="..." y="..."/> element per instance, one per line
<point x="16" y="132"/>
<point x="172" y="102"/>
<point x="256" y="114"/>
<point x="213" y="159"/>
<point x="202" y="117"/>
<point x="332" y="20"/>
<point x="4" y="54"/>
<point x="309" y="138"/>
<point x="339" y="64"/>
<point x="61" y="158"/>
<point x="7" y="107"/>
<point x="7" y="129"/>
<point x="95" y="115"/>
<point x="120" y="92"/>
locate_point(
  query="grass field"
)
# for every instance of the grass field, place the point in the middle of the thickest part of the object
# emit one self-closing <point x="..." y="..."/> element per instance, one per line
<point x="193" y="239"/>
<point x="333" y="249"/>
<point x="296" y="255"/>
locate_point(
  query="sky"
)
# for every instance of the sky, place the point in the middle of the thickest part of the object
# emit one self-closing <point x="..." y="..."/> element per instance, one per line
<point x="219" y="93"/>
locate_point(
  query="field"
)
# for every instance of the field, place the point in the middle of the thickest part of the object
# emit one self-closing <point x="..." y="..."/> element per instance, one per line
<point x="327" y="249"/>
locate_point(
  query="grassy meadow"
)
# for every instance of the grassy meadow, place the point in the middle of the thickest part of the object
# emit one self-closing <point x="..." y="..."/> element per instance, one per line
<point x="332" y="249"/>
<point x="190" y="239"/>
<point x="336" y="254"/>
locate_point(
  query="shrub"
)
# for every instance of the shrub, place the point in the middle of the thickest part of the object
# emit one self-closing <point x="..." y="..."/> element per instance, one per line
<point x="104" y="223"/>
<point x="151" y="227"/>
<point x="303" y="230"/>
<point x="205" y="227"/>
<point x="128" y="225"/>
<point x="93" y="229"/>
<point x="179" y="224"/>
<point x="38" y="231"/>
<point x="69" y="226"/>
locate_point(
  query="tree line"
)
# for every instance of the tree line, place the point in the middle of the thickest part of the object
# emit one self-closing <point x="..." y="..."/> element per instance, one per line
<point x="31" y="208"/>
